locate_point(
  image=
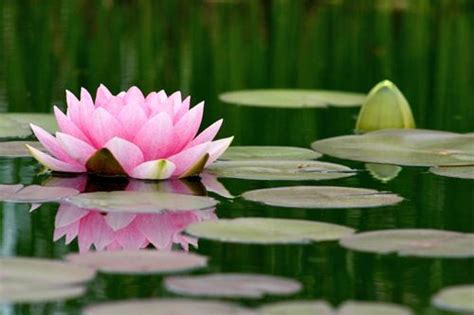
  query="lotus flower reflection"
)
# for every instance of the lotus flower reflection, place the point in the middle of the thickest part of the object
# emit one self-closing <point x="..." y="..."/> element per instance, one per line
<point x="152" y="137"/>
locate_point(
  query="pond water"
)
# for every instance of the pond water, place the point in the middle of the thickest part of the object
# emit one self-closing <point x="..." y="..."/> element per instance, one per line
<point x="205" y="48"/>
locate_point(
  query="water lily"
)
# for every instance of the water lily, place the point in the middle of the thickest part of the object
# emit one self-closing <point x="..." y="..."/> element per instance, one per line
<point x="385" y="108"/>
<point x="152" y="137"/>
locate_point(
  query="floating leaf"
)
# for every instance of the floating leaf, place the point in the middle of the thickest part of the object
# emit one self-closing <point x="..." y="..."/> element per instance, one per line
<point x="18" y="148"/>
<point x="267" y="230"/>
<point x="17" y="125"/>
<point x="140" y="201"/>
<point x="413" y="242"/>
<point x="34" y="193"/>
<point x="322" y="197"/>
<point x="139" y="261"/>
<point x="415" y="147"/>
<point x="268" y="153"/>
<point x="383" y="172"/>
<point x="166" y="307"/>
<point x="372" y="308"/>
<point x="293" y="98"/>
<point x="385" y="108"/>
<point x="297" y="307"/>
<point x="279" y="170"/>
<point x="11" y="292"/>
<point x="232" y="285"/>
<point x="455" y="299"/>
<point x="466" y="172"/>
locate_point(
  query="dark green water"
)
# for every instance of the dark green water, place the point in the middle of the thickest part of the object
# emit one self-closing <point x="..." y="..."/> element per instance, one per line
<point x="206" y="47"/>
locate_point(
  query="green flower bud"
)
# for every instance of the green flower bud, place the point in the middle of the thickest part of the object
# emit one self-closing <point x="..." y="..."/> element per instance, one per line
<point x="385" y="108"/>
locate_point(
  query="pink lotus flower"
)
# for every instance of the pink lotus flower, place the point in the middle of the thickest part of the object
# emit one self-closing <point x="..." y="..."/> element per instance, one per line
<point x="152" y="137"/>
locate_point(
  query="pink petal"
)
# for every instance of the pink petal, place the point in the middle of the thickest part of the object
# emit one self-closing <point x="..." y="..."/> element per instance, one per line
<point x="102" y="96"/>
<point x="67" y="126"/>
<point x="155" y="138"/>
<point x="130" y="237"/>
<point x="134" y="97"/>
<point x="157" y="169"/>
<point x="55" y="164"/>
<point x="157" y="229"/>
<point x="207" y="135"/>
<point x="86" y="110"/>
<point x="114" y="105"/>
<point x="132" y="119"/>
<point x="187" y="127"/>
<point x="94" y="230"/>
<point x="187" y="158"/>
<point x="73" y="108"/>
<point x="158" y="102"/>
<point x="103" y="127"/>
<point x="126" y="153"/>
<point x="118" y="221"/>
<point x="180" y="106"/>
<point x="75" y="148"/>
<point x="213" y="185"/>
<point x="68" y="214"/>
<point x="51" y="144"/>
<point x="217" y="148"/>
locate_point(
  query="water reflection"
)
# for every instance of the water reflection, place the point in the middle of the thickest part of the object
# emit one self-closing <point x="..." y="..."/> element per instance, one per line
<point x="97" y="230"/>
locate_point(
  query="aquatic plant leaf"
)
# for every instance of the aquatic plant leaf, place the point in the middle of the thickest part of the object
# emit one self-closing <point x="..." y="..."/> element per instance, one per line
<point x="322" y="197"/>
<point x="34" y="193"/>
<point x="279" y="170"/>
<point x="385" y="108"/>
<point x="411" y="147"/>
<point x="297" y="307"/>
<point x="372" y="308"/>
<point x="140" y="201"/>
<point x="17" y="125"/>
<point x="12" y="292"/>
<point x="281" y="98"/>
<point x="167" y="307"/>
<point x="267" y="231"/>
<point x="413" y="242"/>
<point x="268" y="153"/>
<point x="455" y="299"/>
<point x="232" y="285"/>
<point x="465" y="172"/>
<point x="139" y="261"/>
<point x="17" y="148"/>
<point x="383" y="172"/>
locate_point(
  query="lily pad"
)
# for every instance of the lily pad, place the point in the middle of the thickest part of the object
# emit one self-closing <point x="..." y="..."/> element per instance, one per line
<point x="34" y="193"/>
<point x="268" y="153"/>
<point x="466" y="172"/>
<point x="17" y="125"/>
<point x="322" y="197"/>
<point x="455" y="299"/>
<point x="282" y="98"/>
<point x="166" y="307"/>
<point x="413" y="242"/>
<point x="11" y="292"/>
<point x="279" y="170"/>
<point x="232" y="285"/>
<point x="411" y="147"/>
<point x="372" y="308"/>
<point x="139" y="261"/>
<point x="267" y="231"/>
<point x="18" y="148"/>
<point x="140" y="201"/>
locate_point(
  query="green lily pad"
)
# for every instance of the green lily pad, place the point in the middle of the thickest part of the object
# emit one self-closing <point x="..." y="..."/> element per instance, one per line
<point x="17" y="125"/>
<point x="411" y="147"/>
<point x="34" y="193"/>
<point x="281" y="98"/>
<point x="139" y="261"/>
<point x="322" y="197"/>
<point x="413" y="242"/>
<point x="166" y="307"/>
<point x="18" y="149"/>
<point x="279" y="170"/>
<point x="11" y="292"/>
<point x="455" y="299"/>
<point x="140" y="202"/>
<point x="267" y="231"/>
<point x="232" y="285"/>
<point x="268" y="153"/>
<point x="466" y="172"/>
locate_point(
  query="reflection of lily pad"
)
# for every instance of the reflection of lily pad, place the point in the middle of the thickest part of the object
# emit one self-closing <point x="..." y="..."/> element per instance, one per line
<point x="322" y="197"/>
<point x="279" y="170"/>
<point x="293" y="98"/>
<point x="34" y="193"/>
<point x="456" y="299"/>
<point x="383" y="172"/>
<point x="18" y="148"/>
<point x="232" y="285"/>
<point x="17" y="125"/>
<point x="140" y="202"/>
<point x="166" y="307"/>
<point x="268" y="153"/>
<point x="402" y="147"/>
<point x="139" y="261"/>
<point x="413" y="242"/>
<point x="466" y="172"/>
<point x="323" y="308"/>
<point x="267" y="231"/>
